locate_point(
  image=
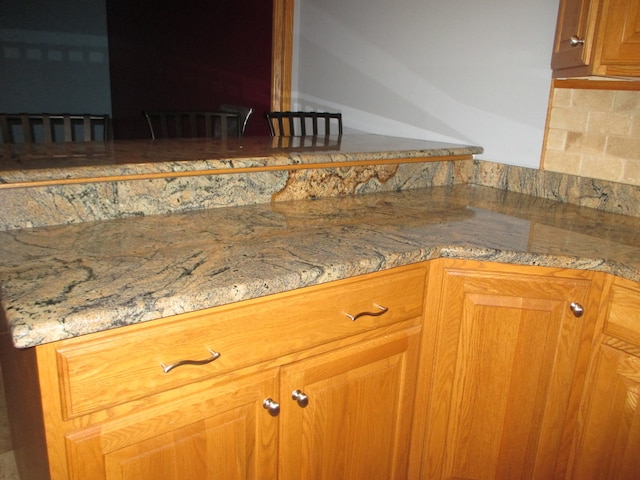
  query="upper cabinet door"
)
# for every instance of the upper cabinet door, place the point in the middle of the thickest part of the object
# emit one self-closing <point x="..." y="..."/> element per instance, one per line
<point x="620" y="25"/>
<point x="571" y="48"/>
<point x="597" y="38"/>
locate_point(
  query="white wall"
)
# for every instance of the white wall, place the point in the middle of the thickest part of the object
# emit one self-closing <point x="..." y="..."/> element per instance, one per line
<point x="54" y="57"/>
<point x="464" y="71"/>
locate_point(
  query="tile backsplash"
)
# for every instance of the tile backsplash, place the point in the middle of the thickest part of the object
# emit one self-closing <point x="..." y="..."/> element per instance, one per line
<point x="594" y="133"/>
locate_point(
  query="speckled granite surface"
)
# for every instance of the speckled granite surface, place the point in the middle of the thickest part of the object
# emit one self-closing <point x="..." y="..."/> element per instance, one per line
<point x="72" y="183"/>
<point x="64" y="162"/>
<point x="64" y="281"/>
<point x="67" y="203"/>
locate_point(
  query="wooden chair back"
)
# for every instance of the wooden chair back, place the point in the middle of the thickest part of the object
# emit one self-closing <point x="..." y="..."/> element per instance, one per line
<point x="238" y="127"/>
<point x="290" y="124"/>
<point x="50" y="128"/>
<point x="191" y="124"/>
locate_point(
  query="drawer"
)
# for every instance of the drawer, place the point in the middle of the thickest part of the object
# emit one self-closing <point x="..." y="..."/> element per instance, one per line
<point x="113" y="367"/>
<point x="624" y="311"/>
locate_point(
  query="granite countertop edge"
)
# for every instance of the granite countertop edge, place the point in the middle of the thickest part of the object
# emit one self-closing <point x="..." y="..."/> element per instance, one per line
<point x="191" y="157"/>
<point x="93" y="321"/>
<point x="67" y="281"/>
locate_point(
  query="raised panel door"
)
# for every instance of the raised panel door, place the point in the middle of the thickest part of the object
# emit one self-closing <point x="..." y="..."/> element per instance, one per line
<point x="597" y="37"/>
<point x="572" y="21"/>
<point x="223" y="433"/>
<point x="508" y="357"/>
<point x="621" y="36"/>
<point x="357" y="423"/>
<point x="608" y="447"/>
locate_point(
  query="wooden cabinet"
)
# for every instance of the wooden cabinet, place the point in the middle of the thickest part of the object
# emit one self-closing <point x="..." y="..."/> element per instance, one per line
<point x="218" y="430"/>
<point x="210" y="395"/>
<point x="348" y="414"/>
<point x="505" y="352"/>
<point x="597" y="37"/>
<point x="344" y="414"/>
<point x="486" y="371"/>
<point x="607" y="445"/>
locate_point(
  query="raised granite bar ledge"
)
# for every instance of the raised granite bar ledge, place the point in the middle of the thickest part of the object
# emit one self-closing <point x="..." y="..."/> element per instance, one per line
<point x="123" y="249"/>
<point x="59" y="163"/>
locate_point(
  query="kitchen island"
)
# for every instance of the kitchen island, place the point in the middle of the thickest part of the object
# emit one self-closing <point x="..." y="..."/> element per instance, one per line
<point x="78" y="294"/>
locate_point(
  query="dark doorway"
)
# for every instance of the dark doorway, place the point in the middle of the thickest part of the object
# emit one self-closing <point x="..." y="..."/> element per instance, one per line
<point x="189" y="55"/>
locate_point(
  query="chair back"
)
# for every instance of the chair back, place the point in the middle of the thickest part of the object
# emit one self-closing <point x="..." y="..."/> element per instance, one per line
<point x="290" y="124"/>
<point x="50" y="128"/>
<point x="187" y="124"/>
<point x="238" y="127"/>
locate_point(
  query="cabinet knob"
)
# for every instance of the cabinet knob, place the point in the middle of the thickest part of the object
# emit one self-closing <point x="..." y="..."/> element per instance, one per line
<point x="575" y="40"/>
<point x="577" y="309"/>
<point x="300" y="397"/>
<point x="271" y="406"/>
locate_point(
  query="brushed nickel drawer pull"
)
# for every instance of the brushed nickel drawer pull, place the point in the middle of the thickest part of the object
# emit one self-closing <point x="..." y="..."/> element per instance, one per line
<point x="382" y="311"/>
<point x="214" y="356"/>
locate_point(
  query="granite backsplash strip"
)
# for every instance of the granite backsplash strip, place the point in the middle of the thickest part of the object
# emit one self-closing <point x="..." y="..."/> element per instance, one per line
<point x="73" y="203"/>
<point x="587" y="192"/>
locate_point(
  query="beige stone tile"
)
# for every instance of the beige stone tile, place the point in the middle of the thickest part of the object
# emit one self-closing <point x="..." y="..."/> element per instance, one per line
<point x="556" y="139"/>
<point x="561" y="97"/>
<point x="632" y="172"/>
<point x="561" y="162"/>
<point x="609" y="123"/>
<point x="600" y="100"/>
<point x="592" y="144"/>
<point x="626" y="101"/>
<point x="634" y="130"/>
<point x="604" y="168"/>
<point x="623" y="147"/>
<point x="569" y="119"/>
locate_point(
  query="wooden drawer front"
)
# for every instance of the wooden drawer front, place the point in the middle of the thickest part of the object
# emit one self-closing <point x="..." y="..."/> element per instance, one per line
<point x="111" y="368"/>
<point x="624" y="311"/>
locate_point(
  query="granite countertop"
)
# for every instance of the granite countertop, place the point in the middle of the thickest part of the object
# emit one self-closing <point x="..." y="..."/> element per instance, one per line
<point x="67" y="280"/>
<point x="60" y="163"/>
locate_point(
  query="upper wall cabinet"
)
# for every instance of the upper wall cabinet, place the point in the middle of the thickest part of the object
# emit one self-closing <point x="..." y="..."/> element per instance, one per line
<point x="597" y="37"/>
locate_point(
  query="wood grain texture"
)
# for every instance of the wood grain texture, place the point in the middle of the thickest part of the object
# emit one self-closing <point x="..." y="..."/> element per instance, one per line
<point x="508" y="360"/>
<point x="611" y="32"/>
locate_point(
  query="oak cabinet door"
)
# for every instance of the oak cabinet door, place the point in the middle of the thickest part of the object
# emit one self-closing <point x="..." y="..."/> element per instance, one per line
<point x="346" y="415"/>
<point x="572" y="22"/>
<point x="223" y="433"/>
<point x="508" y="359"/>
<point x="608" y="447"/>
<point x="620" y="51"/>
<point x="597" y="37"/>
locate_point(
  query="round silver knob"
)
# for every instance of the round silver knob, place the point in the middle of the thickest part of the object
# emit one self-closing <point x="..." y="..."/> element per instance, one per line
<point x="575" y="40"/>
<point x="271" y="406"/>
<point x="577" y="309"/>
<point x="300" y="397"/>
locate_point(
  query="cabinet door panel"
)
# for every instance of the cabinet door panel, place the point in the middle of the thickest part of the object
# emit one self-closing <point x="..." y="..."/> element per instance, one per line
<point x="507" y="357"/>
<point x="609" y="447"/>
<point x="357" y="422"/>
<point x="572" y="20"/>
<point x="621" y="36"/>
<point x="220" y="434"/>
